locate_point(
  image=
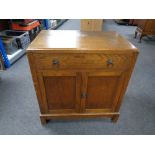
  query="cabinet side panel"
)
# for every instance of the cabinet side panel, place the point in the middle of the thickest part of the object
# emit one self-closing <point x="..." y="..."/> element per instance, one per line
<point x="126" y="76"/>
<point x="35" y="81"/>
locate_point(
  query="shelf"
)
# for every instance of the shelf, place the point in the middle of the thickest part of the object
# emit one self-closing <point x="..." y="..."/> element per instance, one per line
<point x="15" y="56"/>
<point x="9" y="59"/>
<point x="60" y="23"/>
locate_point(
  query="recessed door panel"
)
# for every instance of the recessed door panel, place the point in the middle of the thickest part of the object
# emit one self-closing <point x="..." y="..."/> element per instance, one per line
<point x="103" y="90"/>
<point x="60" y="91"/>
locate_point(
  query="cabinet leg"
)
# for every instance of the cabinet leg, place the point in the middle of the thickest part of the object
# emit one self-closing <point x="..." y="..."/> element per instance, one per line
<point x="140" y="38"/>
<point x="114" y="118"/>
<point x="136" y="34"/>
<point x="43" y="120"/>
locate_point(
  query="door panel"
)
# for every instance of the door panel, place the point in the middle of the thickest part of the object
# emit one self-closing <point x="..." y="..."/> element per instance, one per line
<point x="102" y="91"/>
<point x="60" y="91"/>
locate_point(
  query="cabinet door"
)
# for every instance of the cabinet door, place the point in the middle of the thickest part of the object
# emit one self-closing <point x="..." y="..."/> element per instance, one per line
<point x="102" y="90"/>
<point x="60" y="91"/>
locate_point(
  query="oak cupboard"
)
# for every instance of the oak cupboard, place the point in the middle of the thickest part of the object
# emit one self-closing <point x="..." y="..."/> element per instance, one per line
<point x="91" y="24"/>
<point x="80" y="74"/>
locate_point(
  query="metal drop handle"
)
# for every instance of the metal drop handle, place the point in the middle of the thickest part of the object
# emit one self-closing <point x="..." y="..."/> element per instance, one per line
<point x="110" y="62"/>
<point x="55" y="62"/>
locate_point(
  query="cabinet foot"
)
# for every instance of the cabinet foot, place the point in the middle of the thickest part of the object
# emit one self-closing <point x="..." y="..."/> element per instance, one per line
<point x="136" y="34"/>
<point x="43" y="120"/>
<point x="114" y="118"/>
<point x="140" y="38"/>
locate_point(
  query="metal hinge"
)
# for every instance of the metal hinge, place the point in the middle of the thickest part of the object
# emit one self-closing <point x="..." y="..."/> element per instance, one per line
<point x="83" y="95"/>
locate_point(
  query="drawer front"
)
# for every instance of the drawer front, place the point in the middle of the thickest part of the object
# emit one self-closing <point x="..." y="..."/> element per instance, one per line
<point x="82" y="61"/>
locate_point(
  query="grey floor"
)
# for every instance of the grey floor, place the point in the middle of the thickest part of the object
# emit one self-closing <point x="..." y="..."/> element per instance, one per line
<point x="19" y="112"/>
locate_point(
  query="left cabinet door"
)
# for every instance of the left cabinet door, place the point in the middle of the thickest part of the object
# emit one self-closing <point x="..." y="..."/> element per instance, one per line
<point x="60" y="91"/>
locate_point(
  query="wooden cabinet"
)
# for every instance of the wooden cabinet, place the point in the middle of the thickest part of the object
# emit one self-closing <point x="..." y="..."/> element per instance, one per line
<point x="91" y="24"/>
<point x="145" y="27"/>
<point x="85" y="77"/>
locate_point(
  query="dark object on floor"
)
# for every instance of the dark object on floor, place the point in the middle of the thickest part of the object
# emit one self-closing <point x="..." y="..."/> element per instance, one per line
<point x="128" y="22"/>
<point x="122" y="21"/>
<point x="145" y="27"/>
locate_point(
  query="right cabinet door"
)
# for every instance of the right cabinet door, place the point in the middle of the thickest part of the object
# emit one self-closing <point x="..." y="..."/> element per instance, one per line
<point x="103" y="91"/>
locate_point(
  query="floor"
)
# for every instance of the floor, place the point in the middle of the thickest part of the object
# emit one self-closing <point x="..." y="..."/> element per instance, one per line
<point x="19" y="112"/>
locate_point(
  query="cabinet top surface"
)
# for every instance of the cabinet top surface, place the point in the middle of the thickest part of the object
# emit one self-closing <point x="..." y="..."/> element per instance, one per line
<point x="72" y="40"/>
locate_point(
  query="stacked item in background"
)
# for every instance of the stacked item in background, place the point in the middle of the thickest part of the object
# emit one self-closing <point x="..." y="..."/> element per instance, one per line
<point x="22" y="32"/>
<point x="16" y="35"/>
<point x="30" y="25"/>
<point x="54" y="23"/>
<point x="4" y="24"/>
<point x="14" y="40"/>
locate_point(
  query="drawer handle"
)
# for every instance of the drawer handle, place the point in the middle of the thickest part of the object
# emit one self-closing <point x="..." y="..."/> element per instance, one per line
<point x="110" y="62"/>
<point x="55" y="62"/>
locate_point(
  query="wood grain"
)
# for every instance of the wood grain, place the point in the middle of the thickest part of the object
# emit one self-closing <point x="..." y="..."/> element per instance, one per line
<point x="82" y="61"/>
<point x="101" y="92"/>
<point x="71" y="41"/>
<point x="60" y="92"/>
<point x="83" y="91"/>
<point x="145" y="27"/>
<point x="78" y="115"/>
<point x="36" y="82"/>
<point x="86" y="80"/>
<point x="91" y="24"/>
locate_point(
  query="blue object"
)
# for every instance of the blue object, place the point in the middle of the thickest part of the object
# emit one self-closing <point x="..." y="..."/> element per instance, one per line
<point x="4" y="55"/>
<point x="46" y="24"/>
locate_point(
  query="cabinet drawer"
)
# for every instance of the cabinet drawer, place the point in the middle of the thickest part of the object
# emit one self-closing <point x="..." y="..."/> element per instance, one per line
<point x="81" y="61"/>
